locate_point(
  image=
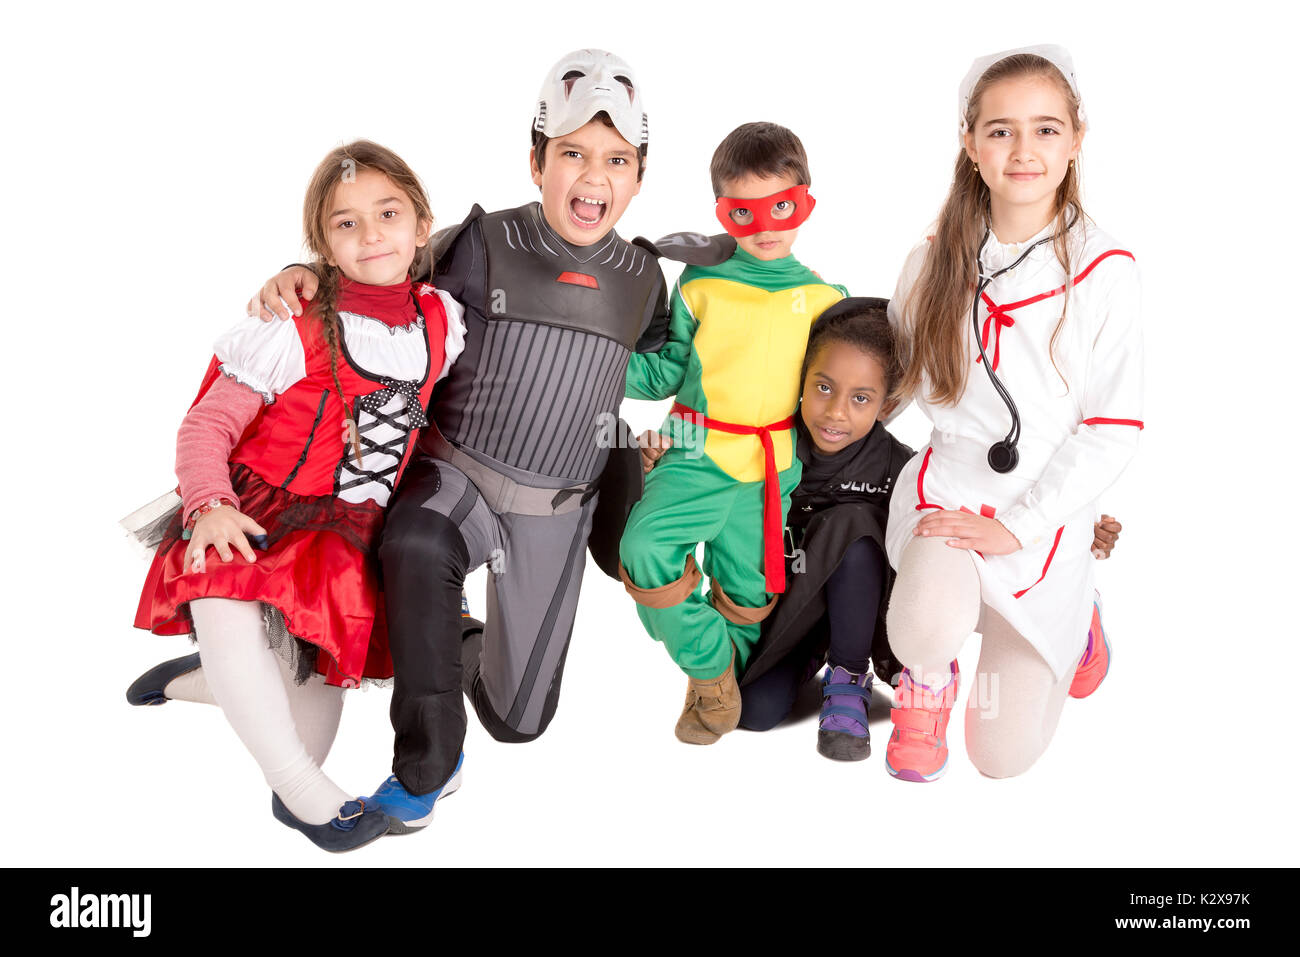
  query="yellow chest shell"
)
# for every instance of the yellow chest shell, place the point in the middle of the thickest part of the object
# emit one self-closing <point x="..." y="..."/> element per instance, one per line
<point x="750" y="344"/>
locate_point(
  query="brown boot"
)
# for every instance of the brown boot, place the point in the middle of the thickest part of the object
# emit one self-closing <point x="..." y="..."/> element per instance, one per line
<point x="712" y="708"/>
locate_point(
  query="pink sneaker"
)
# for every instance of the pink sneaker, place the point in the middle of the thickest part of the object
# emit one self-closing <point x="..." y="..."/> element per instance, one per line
<point x="918" y="747"/>
<point x="1094" y="664"/>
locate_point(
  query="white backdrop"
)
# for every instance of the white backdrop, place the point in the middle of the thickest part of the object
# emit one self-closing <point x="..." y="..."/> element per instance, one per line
<point x="154" y="162"/>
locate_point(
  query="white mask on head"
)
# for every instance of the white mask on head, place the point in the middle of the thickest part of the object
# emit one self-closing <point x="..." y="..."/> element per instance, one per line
<point x="587" y="82"/>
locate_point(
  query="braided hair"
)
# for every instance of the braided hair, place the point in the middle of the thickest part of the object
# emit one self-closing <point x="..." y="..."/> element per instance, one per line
<point x="338" y="166"/>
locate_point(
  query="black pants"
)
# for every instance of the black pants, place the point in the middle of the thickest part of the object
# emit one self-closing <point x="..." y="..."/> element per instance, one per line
<point x="438" y="529"/>
<point x="852" y="601"/>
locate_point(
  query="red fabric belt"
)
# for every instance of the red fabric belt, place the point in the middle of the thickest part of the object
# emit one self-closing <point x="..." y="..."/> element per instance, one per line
<point x="773" y="540"/>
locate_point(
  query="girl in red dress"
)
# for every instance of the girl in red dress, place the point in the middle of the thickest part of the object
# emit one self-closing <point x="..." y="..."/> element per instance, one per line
<point x="269" y="560"/>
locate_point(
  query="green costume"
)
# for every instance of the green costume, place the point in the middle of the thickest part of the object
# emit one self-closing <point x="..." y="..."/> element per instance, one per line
<point x="736" y="340"/>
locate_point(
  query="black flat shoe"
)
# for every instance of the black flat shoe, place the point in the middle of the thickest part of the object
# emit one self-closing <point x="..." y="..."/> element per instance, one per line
<point x="353" y="827"/>
<point x="148" y="688"/>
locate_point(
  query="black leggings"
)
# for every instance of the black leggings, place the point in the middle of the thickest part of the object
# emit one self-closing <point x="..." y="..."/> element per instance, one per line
<point x="852" y="601"/>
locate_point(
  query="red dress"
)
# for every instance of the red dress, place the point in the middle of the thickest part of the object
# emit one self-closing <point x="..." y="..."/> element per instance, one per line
<point x="294" y="476"/>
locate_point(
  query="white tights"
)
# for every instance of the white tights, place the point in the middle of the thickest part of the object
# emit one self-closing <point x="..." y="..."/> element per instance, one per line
<point x="272" y="715"/>
<point x="317" y="721"/>
<point x="1015" y="701"/>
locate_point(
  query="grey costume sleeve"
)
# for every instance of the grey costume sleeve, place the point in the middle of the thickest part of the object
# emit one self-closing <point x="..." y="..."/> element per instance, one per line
<point x="654" y="329"/>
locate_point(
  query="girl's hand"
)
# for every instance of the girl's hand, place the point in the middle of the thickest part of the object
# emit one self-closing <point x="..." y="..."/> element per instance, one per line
<point x="221" y="528"/>
<point x="965" y="530"/>
<point x="1104" y="535"/>
<point x="279" y="297"/>
<point x="653" y="445"/>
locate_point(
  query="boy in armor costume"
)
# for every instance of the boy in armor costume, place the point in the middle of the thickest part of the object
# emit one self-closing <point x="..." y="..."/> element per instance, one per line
<point x="736" y="340"/>
<point x="555" y="303"/>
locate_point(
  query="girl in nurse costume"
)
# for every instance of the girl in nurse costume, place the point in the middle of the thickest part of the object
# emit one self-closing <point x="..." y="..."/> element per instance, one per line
<point x="1007" y="554"/>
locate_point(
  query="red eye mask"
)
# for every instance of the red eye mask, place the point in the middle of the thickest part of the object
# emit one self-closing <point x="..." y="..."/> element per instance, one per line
<point x="762" y="215"/>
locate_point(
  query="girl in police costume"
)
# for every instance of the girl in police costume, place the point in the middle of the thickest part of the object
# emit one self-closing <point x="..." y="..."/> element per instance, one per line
<point x="1019" y="323"/>
<point x="269" y="559"/>
<point x="833" y="609"/>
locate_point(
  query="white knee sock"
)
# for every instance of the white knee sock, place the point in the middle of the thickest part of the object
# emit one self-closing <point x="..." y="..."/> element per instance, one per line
<point x="191" y="686"/>
<point x="1015" y="702"/>
<point x="933" y="608"/>
<point x="316" y="706"/>
<point x="245" y="678"/>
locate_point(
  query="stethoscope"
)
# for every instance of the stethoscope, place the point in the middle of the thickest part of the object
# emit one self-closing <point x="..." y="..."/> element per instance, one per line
<point x="1003" y="456"/>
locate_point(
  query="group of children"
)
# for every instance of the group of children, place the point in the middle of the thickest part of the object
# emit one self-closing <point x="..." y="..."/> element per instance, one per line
<point x="486" y="359"/>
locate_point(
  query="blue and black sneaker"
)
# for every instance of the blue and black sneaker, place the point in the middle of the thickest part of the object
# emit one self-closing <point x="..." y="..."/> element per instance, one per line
<point x="409" y="812"/>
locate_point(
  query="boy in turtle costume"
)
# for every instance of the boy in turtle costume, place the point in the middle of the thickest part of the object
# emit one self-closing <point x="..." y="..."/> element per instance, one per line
<point x="737" y="332"/>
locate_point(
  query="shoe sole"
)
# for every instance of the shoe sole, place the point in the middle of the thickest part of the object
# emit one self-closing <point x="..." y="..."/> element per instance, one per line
<point x="364" y="843"/>
<point x="701" y="742"/>
<point x="842" y="746"/>
<point x="397" y="826"/>
<point x="909" y="774"/>
<point x="285" y="817"/>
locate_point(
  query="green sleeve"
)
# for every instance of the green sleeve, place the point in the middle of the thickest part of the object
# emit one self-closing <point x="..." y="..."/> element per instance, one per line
<point x="658" y="375"/>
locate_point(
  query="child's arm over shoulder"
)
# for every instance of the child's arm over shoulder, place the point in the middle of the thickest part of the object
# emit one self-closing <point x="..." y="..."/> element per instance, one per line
<point x="660" y="374"/>
<point x="1106" y="438"/>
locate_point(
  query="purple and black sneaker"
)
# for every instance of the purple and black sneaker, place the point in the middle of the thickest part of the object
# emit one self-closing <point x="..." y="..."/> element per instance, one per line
<point x="842" y="732"/>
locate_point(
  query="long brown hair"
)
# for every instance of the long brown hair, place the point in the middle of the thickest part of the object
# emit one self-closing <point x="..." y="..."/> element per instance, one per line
<point x="340" y="165"/>
<point x="940" y="302"/>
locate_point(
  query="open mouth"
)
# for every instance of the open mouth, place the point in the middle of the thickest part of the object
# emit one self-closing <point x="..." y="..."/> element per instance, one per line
<point x="587" y="211"/>
<point x="832" y="435"/>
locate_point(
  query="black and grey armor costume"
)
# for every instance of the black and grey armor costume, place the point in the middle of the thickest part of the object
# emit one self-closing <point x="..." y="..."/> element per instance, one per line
<point x="508" y="476"/>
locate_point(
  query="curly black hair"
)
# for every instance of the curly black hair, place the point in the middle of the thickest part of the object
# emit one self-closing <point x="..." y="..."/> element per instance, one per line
<point x="860" y="321"/>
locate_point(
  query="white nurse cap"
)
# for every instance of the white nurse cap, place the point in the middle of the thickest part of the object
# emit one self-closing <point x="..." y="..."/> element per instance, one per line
<point x="1056" y="55"/>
